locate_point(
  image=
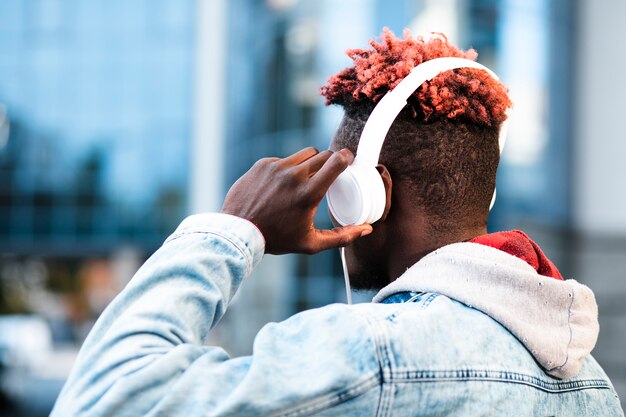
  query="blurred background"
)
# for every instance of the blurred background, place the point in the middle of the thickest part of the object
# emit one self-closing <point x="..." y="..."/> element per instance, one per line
<point x="120" y="117"/>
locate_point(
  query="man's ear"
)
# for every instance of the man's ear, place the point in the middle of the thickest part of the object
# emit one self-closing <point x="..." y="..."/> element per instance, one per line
<point x="384" y="173"/>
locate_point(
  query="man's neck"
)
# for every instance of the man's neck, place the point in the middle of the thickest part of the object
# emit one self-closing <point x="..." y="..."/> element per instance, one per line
<point x="415" y="241"/>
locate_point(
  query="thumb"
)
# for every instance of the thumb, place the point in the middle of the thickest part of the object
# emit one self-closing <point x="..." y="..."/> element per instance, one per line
<point x="338" y="237"/>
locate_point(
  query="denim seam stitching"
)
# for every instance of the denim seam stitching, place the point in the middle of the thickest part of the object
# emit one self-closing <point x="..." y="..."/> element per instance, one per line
<point x="333" y="399"/>
<point x="429" y="299"/>
<point x="497" y="376"/>
<point x="377" y="333"/>
<point x="387" y="384"/>
<point x="508" y="381"/>
<point x="247" y="254"/>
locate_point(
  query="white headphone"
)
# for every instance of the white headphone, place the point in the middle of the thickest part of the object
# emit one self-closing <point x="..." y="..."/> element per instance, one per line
<point x="358" y="195"/>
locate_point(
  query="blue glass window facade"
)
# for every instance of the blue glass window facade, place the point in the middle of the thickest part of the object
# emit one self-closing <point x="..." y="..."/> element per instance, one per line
<point x="97" y="100"/>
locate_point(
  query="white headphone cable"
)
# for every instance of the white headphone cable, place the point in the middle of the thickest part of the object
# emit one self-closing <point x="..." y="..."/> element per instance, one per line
<point x="345" y="275"/>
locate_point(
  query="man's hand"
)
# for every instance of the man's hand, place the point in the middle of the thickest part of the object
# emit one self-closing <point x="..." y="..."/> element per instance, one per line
<point x="281" y="196"/>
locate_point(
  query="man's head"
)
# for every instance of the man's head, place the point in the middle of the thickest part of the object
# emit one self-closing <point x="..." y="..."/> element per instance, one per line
<point x="439" y="159"/>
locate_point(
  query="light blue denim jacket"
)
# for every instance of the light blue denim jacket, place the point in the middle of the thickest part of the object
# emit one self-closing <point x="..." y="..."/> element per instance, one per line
<point x="419" y="353"/>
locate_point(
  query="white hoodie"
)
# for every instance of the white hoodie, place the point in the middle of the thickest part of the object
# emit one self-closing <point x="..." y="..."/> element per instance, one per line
<point x="557" y="321"/>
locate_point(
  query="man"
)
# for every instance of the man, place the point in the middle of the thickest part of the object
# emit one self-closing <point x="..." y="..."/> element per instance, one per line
<point x="465" y="323"/>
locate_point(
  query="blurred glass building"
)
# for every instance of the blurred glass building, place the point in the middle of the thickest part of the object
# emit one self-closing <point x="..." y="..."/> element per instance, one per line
<point x="96" y="105"/>
<point x="118" y="118"/>
<point x="97" y="97"/>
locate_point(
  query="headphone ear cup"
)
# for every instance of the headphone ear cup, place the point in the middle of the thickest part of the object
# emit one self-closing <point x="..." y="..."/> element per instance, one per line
<point x="372" y="184"/>
<point x="357" y="196"/>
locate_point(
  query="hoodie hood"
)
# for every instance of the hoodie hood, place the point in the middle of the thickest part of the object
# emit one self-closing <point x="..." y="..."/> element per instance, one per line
<point x="518" y="244"/>
<point x="557" y="321"/>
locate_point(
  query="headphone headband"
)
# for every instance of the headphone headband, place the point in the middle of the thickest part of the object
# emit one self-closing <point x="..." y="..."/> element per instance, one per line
<point x="388" y="108"/>
<point x="358" y="195"/>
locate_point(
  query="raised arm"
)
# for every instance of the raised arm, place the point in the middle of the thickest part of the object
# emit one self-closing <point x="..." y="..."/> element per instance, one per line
<point x="146" y="353"/>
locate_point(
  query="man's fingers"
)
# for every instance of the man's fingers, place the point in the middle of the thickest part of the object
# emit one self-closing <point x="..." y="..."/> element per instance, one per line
<point x="300" y="156"/>
<point x="313" y="164"/>
<point x="335" y="165"/>
<point x="337" y="237"/>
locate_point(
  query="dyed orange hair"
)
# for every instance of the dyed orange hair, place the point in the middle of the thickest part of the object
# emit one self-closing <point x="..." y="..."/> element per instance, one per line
<point x="442" y="148"/>
<point x="466" y="94"/>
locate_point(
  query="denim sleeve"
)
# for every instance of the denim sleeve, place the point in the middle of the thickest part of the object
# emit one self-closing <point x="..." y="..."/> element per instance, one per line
<point x="146" y="353"/>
